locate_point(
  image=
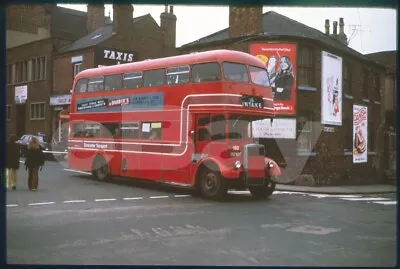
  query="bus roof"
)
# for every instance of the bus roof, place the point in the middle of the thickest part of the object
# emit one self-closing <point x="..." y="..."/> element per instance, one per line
<point x="192" y="58"/>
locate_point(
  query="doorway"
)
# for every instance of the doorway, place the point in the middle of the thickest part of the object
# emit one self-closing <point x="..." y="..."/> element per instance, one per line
<point x="21" y="120"/>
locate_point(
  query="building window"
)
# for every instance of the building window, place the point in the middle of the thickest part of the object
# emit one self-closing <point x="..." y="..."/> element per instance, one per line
<point x="365" y="84"/>
<point x="9" y="74"/>
<point x="371" y="136"/>
<point x="8" y="112"/>
<point x="30" y="70"/>
<point x="347" y="79"/>
<point x="37" y="111"/>
<point x="348" y="135"/>
<point x="377" y="87"/>
<point x="77" y="68"/>
<point x="305" y="67"/>
<point x="304" y="133"/>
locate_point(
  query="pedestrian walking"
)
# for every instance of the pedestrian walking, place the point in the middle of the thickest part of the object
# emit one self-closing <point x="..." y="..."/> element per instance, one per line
<point x="12" y="162"/>
<point x="34" y="162"/>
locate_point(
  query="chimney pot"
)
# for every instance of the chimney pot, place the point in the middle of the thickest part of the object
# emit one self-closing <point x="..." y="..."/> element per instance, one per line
<point x="335" y="27"/>
<point x="166" y="9"/>
<point x="171" y="9"/>
<point x="327" y="26"/>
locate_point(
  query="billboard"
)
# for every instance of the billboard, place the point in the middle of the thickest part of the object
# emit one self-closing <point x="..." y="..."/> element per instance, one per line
<point x="360" y="134"/>
<point x="279" y="129"/>
<point x="331" y="89"/>
<point x="280" y="60"/>
<point x="21" y="94"/>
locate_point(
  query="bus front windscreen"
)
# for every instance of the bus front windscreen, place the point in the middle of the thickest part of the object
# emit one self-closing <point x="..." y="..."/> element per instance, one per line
<point x="259" y="76"/>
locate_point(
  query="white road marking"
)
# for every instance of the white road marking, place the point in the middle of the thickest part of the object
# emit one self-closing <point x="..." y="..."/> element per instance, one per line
<point x="44" y="203"/>
<point x="333" y="196"/>
<point x="239" y="192"/>
<point x="75" y="201"/>
<point x="77" y="171"/>
<point x="365" y="199"/>
<point x="103" y="200"/>
<point x="159" y="197"/>
<point x="181" y="195"/>
<point x="133" y="198"/>
<point x="386" y="203"/>
<point x="12" y="205"/>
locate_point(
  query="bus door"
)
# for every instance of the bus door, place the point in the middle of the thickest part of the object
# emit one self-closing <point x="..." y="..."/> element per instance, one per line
<point x="129" y="164"/>
<point x="201" y="139"/>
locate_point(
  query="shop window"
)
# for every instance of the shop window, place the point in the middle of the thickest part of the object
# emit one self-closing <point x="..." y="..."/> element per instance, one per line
<point x="37" y="111"/>
<point x="206" y="72"/>
<point x="305" y="66"/>
<point x="304" y="133"/>
<point x="133" y="80"/>
<point x="81" y="85"/>
<point x="178" y="75"/>
<point x="154" y="78"/>
<point x="347" y="79"/>
<point x="151" y="130"/>
<point x="77" y="68"/>
<point x="130" y="130"/>
<point x="113" y="82"/>
<point x="95" y="84"/>
<point x="8" y="112"/>
<point x="235" y="72"/>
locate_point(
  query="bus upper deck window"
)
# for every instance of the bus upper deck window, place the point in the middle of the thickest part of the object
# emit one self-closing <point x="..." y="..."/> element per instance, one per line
<point x="259" y="76"/>
<point x="178" y="75"/>
<point x="133" y="80"/>
<point x="113" y="82"/>
<point x="154" y="78"/>
<point x="206" y="72"/>
<point x="96" y="84"/>
<point x="81" y="85"/>
<point x="235" y="72"/>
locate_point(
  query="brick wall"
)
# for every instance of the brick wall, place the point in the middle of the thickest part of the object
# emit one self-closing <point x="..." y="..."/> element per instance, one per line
<point x="94" y="17"/>
<point x="26" y="18"/>
<point x="245" y="20"/>
<point x="63" y="69"/>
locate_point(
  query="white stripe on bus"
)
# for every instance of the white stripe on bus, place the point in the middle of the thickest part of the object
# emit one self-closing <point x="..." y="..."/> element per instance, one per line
<point x="163" y="144"/>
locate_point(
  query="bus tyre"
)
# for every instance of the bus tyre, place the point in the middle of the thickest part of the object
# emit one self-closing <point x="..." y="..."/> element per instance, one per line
<point x="263" y="192"/>
<point x="100" y="170"/>
<point x="211" y="184"/>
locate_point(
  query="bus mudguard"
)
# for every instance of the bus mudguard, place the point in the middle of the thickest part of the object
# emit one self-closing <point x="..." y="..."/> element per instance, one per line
<point x="272" y="167"/>
<point x="226" y="171"/>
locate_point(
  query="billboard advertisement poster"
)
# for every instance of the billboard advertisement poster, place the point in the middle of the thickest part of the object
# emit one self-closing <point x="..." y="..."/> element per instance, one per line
<point x="280" y="60"/>
<point x="21" y="94"/>
<point x="360" y="134"/>
<point x="331" y="89"/>
<point x="279" y="129"/>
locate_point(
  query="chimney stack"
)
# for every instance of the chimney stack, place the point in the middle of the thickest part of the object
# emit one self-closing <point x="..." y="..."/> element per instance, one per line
<point x="123" y="19"/>
<point x="245" y="20"/>
<point x="335" y="28"/>
<point x="168" y="26"/>
<point x="327" y="26"/>
<point x="94" y="17"/>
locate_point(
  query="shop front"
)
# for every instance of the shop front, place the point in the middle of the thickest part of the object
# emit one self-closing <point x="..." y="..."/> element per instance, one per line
<point x="61" y="107"/>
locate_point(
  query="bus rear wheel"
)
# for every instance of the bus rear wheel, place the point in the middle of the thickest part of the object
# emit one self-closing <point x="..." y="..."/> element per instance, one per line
<point x="262" y="192"/>
<point x="212" y="185"/>
<point x="100" y="169"/>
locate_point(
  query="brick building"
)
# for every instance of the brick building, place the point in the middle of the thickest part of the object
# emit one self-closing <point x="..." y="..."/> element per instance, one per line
<point x="47" y="45"/>
<point x="331" y="159"/>
<point x="388" y="59"/>
<point x="125" y="39"/>
<point x="34" y="34"/>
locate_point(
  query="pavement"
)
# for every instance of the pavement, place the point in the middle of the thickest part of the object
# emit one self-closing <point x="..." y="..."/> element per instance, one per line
<point x="363" y="189"/>
<point x="72" y="219"/>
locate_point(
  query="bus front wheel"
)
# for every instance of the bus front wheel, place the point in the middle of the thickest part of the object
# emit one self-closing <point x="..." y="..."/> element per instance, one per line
<point x="100" y="170"/>
<point x="262" y="192"/>
<point x="211" y="184"/>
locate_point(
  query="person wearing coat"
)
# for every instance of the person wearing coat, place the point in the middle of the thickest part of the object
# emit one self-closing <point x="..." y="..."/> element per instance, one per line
<point x="33" y="162"/>
<point x="12" y="162"/>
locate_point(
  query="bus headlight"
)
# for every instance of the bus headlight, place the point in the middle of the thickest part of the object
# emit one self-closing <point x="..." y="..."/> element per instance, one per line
<point x="238" y="164"/>
<point x="270" y="164"/>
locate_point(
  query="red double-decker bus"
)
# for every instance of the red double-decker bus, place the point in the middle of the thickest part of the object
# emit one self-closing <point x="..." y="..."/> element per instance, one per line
<point x="183" y="120"/>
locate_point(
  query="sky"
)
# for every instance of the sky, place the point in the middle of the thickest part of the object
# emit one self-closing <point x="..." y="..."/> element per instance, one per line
<point x="369" y="29"/>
